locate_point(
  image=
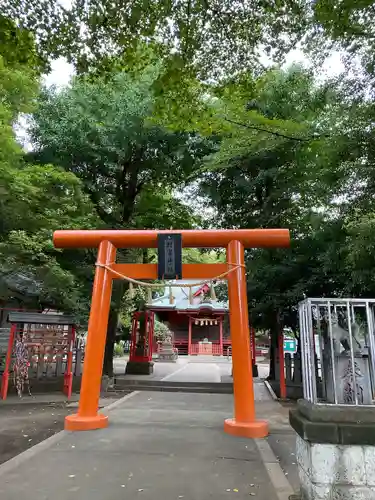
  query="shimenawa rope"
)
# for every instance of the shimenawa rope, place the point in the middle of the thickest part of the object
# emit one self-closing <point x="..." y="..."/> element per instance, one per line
<point x="133" y="281"/>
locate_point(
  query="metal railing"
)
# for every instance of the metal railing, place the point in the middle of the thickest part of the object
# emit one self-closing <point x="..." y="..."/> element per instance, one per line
<point x="338" y="350"/>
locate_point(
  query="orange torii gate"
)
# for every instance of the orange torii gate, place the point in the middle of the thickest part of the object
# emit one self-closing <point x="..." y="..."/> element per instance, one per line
<point x="244" y="422"/>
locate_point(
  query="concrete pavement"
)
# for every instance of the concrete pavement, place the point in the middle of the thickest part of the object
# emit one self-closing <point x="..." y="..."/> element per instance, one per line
<point x="163" y="445"/>
<point x="195" y="369"/>
<point x="158" y="446"/>
<point x="196" y="372"/>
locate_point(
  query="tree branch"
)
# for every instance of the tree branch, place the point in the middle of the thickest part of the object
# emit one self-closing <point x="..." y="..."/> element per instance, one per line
<point x="273" y="132"/>
<point x="105" y="216"/>
<point x="130" y="191"/>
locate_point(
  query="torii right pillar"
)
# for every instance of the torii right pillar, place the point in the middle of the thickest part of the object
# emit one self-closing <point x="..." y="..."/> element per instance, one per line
<point x="244" y="422"/>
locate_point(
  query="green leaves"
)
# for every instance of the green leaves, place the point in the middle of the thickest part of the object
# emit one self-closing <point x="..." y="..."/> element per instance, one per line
<point x="53" y="27"/>
<point x="38" y="200"/>
<point x="273" y="170"/>
<point x="17" y="46"/>
<point x="101" y="130"/>
<point x="160" y="209"/>
<point x="17" y="89"/>
<point x="119" y="167"/>
<point x="34" y="200"/>
<point x="214" y="37"/>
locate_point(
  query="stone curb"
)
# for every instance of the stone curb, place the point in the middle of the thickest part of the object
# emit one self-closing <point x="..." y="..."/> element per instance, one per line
<point x="271" y="391"/>
<point x="14" y="462"/>
<point x="279" y="481"/>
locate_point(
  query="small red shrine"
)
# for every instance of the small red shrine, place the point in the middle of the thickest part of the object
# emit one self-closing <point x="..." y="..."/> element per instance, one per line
<point x="196" y="319"/>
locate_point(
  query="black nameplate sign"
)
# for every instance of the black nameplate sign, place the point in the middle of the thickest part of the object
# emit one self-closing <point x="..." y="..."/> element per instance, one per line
<point x="169" y="256"/>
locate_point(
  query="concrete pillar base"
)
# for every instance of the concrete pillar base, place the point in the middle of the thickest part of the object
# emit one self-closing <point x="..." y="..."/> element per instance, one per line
<point x="335" y="471"/>
<point x="335" y="451"/>
<point x="76" y="422"/>
<point x="167" y="354"/>
<point x="139" y="368"/>
<point x="255" y="429"/>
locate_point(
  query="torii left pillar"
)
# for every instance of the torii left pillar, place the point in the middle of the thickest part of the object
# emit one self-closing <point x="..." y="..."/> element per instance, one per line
<point x="88" y="417"/>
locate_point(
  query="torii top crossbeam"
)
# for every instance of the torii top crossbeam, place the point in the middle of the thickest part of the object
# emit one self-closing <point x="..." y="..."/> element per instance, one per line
<point x="206" y="238"/>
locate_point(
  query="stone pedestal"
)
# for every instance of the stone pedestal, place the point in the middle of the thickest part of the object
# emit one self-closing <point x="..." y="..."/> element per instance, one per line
<point x="167" y="353"/>
<point x="139" y="368"/>
<point x="107" y="383"/>
<point x="335" y="451"/>
<point x="345" y="380"/>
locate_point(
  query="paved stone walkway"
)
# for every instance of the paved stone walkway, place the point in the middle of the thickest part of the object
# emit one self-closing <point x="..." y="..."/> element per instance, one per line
<point x="213" y="369"/>
<point x="159" y="446"/>
<point x="197" y="372"/>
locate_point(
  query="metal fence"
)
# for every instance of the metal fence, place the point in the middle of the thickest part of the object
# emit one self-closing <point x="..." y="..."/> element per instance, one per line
<point x="338" y="350"/>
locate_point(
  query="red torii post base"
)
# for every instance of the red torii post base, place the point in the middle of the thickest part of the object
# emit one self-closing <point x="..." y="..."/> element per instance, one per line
<point x="244" y="422"/>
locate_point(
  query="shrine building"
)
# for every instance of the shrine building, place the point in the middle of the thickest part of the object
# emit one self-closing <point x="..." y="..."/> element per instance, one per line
<point x="196" y="319"/>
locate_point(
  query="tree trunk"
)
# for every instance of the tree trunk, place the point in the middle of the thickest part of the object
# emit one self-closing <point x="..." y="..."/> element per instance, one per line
<point x="118" y="291"/>
<point x="274" y="344"/>
<point x="145" y="256"/>
<point x="110" y="343"/>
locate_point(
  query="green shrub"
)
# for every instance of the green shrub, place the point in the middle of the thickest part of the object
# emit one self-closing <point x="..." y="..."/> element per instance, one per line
<point x="118" y="350"/>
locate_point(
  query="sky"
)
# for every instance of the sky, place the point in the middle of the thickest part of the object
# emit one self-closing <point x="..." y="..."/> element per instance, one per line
<point x="61" y="73"/>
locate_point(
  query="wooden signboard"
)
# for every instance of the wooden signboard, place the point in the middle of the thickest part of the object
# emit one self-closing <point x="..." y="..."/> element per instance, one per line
<point x="169" y="256"/>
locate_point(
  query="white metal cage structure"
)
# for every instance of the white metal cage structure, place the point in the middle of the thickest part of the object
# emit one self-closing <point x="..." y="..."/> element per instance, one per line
<point x="338" y="351"/>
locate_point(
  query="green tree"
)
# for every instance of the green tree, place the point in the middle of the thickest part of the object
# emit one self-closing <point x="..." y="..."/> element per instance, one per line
<point x="18" y="86"/>
<point x="100" y="130"/>
<point x="53" y="27"/>
<point x="35" y="200"/>
<point x="281" y="160"/>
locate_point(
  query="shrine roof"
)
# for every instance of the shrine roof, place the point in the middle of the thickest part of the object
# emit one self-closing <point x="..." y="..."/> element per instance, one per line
<point x="17" y="317"/>
<point x="181" y="302"/>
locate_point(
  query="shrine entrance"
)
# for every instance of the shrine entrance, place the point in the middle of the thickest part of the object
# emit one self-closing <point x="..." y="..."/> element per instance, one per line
<point x="170" y="266"/>
<point x="205" y="336"/>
